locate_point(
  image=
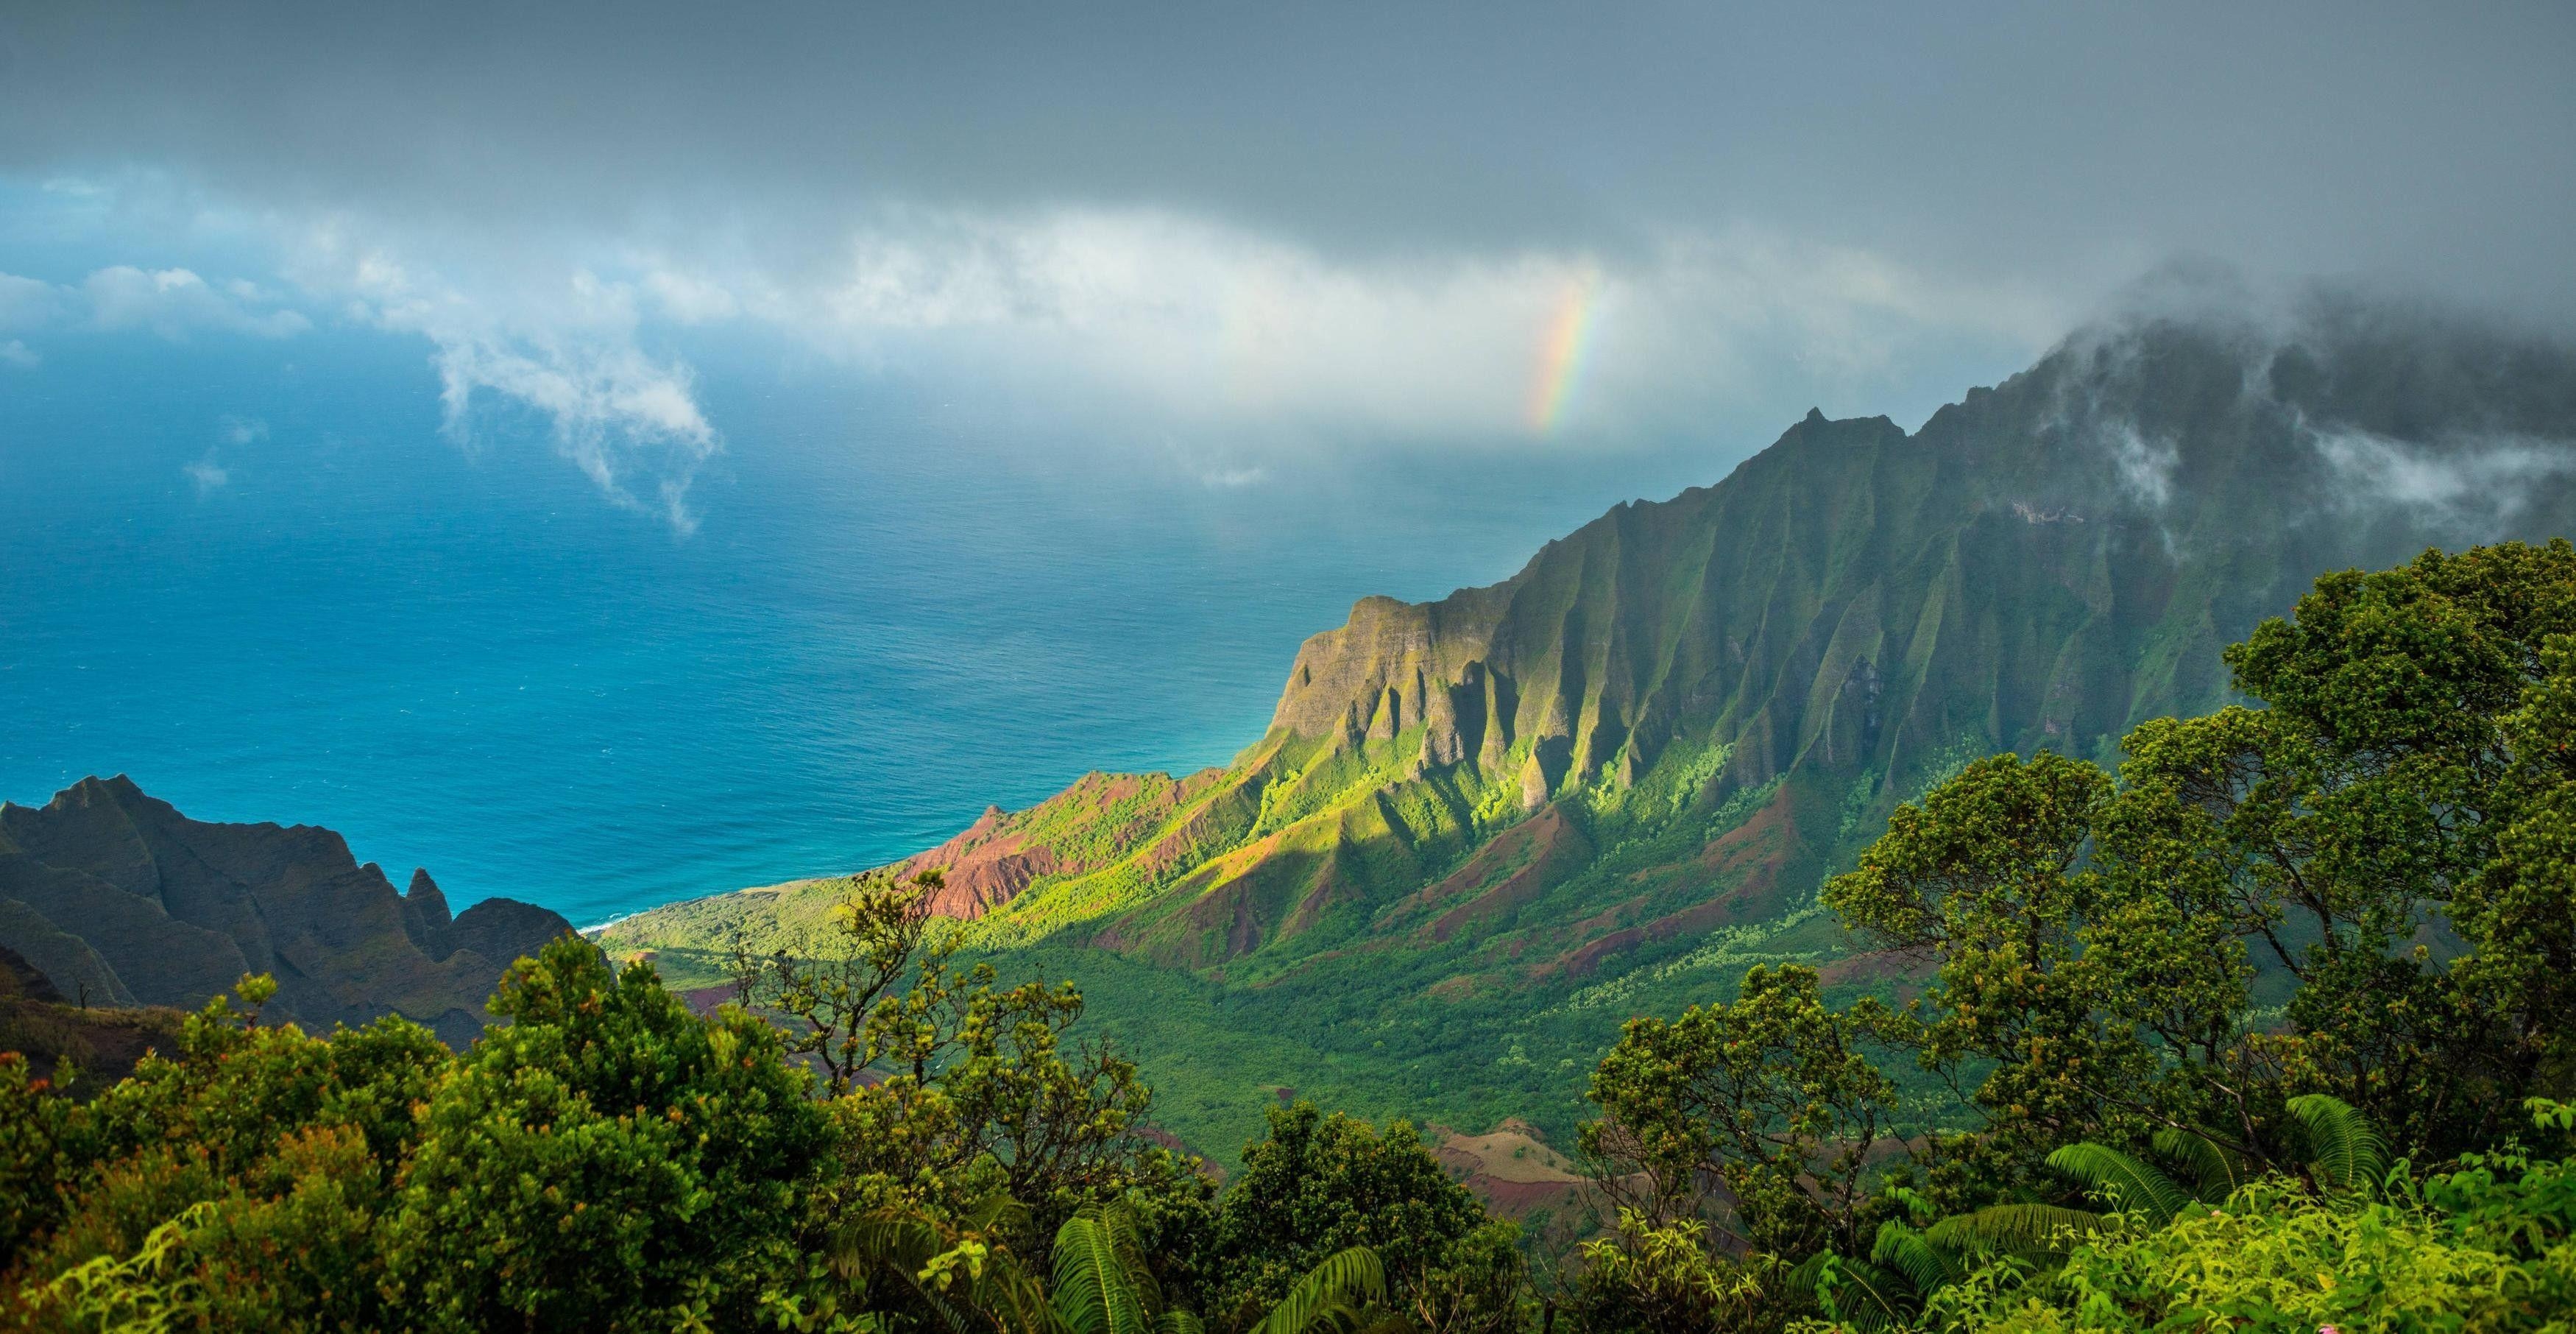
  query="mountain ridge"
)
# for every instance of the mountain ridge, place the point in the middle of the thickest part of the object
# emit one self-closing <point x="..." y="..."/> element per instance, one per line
<point x="117" y="897"/>
<point x="1629" y="764"/>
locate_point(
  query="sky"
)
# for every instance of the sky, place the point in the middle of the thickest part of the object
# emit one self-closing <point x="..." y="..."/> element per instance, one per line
<point x="1239" y="240"/>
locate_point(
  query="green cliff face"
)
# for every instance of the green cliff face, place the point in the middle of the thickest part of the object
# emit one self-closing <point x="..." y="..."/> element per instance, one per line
<point x="1480" y="830"/>
<point x="121" y="900"/>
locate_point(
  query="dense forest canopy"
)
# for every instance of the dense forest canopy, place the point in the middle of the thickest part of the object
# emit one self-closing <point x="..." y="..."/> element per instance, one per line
<point x="2272" y="1028"/>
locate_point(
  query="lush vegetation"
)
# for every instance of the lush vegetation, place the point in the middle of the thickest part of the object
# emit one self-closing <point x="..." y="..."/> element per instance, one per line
<point x="912" y="1146"/>
<point x="2254" y="1032"/>
<point x="2271" y="1028"/>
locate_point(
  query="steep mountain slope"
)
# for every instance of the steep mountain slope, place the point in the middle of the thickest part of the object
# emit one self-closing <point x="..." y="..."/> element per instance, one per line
<point x="119" y="899"/>
<point x="1480" y="829"/>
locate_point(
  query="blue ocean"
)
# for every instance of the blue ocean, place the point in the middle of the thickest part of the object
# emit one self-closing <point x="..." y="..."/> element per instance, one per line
<point x="259" y="579"/>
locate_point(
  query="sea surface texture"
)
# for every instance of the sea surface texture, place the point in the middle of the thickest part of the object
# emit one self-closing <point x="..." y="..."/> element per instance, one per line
<point x="268" y="585"/>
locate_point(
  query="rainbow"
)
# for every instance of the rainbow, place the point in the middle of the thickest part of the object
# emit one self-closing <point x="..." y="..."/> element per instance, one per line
<point x="1562" y="353"/>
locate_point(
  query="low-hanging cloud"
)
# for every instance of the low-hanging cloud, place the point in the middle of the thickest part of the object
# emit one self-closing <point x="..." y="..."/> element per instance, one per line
<point x="2474" y="485"/>
<point x="2352" y="408"/>
<point x="2145" y="465"/>
<point x="1196" y="322"/>
<point x="615" y="412"/>
<point x="1213" y="337"/>
<point x="26" y="303"/>
<point x="171" y="303"/>
<point x="629" y="421"/>
<point x="176" y="302"/>
<point x="207" y="475"/>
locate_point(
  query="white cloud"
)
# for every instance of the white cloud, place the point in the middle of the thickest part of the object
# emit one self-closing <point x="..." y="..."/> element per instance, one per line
<point x="207" y="475"/>
<point x="690" y="300"/>
<point x="1233" y="344"/>
<point x="241" y="430"/>
<point x="174" y="302"/>
<point x="2146" y="467"/>
<point x="564" y="348"/>
<point x="1208" y="323"/>
<point x="26" y="303"/>
<point x="2478" y="485"/>
<point x="18" y="356"/>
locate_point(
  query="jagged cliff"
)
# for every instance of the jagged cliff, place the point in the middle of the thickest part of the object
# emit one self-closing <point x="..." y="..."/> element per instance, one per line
<point x="1848" y="613"/>
<point x="1619" y="775"/>
<point x="119" y="899"/>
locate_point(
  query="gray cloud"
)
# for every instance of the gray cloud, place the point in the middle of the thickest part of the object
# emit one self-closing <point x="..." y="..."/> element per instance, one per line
<point x="2070" y="142"/>
<point x="1335" y="222"/>
<point x="2475" y="486"/>
<point x="2307" y="406"/>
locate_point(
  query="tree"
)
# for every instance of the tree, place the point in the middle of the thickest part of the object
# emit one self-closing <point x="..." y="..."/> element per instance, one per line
<point x="949" y="1088"/>
<point x="1321" y="1185"/>
<point x="249" y="1168"/>
<point x="1988" y="877"/>
<point x="2387" y="830"/>
<point x="34" y="1158"/>
<point x="1772" y="1094"/>
<point x="1665" y="1279"/>
<point x="2387" y="837"/>
<point x="827" y="982"/>
<point x="605" y="1161"/>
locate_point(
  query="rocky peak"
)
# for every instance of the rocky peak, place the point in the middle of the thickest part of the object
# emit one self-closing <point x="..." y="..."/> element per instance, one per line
<point x="129" y="898"/>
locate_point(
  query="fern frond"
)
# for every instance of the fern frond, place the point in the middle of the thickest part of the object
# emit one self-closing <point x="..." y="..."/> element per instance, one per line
<point x="1336" y="1289"/>
<point x="1178" y="1321"/>
<point x="2216" y="1170"/>
<point x="2013" y="1229"/>
<point x="1904" y="1249"/>
<point x="1094" y="1291"/>
<point x="1015" y="1297"/>
<point x="996" y="1212"/>
<point x="1918" y="1206"/>
<point x="992" y="1289"/>
<point x="2122" y="1180"/>
<point x="1130" y="1246"/>
<point x="1866" y="1298"/>
<point x="892" y="1241"/>
<point x="1880" y="1310"/>
<point x="2344" y="1153"/>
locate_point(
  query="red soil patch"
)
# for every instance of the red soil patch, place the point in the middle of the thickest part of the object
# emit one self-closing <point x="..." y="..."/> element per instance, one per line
<point x="1551" y="845"/>
<point x="1862" y="969"/>
<point x="1752" y="852"/>
<point x="703" y="1001"/>
<point x="990" y="862"/>
<point x="1462" y="987"/>
<point x="1749" y="845"/>
<point x="1517" y="1200"/>
<point x="1511" y="1168"/>
<point x="985" y="867"/>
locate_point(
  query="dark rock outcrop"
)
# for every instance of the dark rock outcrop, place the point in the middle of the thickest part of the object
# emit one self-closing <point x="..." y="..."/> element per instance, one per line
<point x="116" y="896"/>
